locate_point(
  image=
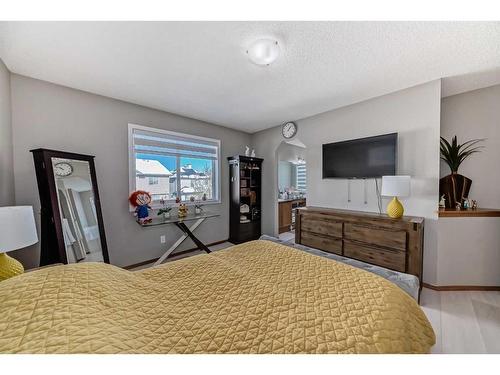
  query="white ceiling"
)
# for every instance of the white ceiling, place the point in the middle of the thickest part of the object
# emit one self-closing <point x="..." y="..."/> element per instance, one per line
<point x="200" y="70"/>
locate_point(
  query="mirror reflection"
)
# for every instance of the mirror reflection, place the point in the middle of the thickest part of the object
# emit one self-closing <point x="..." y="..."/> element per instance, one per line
<point x="78" y="212"/>
<point x="292" y="170"/>
<point x="292" y="185"/>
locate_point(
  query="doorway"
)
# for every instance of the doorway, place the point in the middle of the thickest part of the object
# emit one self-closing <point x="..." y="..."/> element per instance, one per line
<point x="291" y="189"/>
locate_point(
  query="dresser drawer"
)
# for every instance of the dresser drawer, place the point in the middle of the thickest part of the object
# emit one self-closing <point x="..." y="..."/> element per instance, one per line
<point x="394" y="260"/>
<point x="328" y="244"/>
<point x="320" y="225"/>
<point x="393" y="239"/>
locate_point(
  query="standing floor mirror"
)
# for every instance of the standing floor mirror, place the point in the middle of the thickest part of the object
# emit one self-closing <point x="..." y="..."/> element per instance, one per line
<point x="72" y="229"/>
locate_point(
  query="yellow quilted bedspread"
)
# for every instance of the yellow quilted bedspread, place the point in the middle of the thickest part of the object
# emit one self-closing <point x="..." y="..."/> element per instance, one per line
<point x="258" y="297"/>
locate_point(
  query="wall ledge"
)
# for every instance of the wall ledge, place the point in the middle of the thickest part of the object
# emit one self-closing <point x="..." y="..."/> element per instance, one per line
<point x="478" y="212"/>
<point x="450" y="288"/>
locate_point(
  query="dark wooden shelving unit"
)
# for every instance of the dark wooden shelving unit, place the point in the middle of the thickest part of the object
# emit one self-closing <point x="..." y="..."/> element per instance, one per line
<point x="245" y="188"/>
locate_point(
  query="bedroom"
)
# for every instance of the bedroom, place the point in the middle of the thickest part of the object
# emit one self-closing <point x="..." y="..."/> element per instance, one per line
<point x="238" y="187"/>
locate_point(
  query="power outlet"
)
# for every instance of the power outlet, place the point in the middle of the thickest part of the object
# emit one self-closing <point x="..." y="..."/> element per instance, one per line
<point x="163" y="239"/>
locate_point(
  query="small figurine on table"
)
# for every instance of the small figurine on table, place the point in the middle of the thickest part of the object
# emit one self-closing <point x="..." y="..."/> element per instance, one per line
<point x="474" y="204"/>
<point x="466" y="204"/>
<point x="183" y="210"/>
<point x="141" y="199"/>
<point x="442" y="203"/>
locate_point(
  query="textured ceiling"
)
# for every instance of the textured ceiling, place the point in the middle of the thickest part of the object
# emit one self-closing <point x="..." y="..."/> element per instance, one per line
<point x="200" y="70"/>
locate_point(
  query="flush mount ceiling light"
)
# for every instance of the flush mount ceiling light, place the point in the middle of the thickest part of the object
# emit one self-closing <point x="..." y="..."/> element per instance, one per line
<point x="264" y="51"/>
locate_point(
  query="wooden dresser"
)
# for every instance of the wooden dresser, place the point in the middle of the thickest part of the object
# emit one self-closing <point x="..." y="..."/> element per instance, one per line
<point x="396" y="244"/>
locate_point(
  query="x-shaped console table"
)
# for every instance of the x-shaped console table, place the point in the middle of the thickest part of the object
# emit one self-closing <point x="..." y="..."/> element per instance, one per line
<point x="187" y="231"/>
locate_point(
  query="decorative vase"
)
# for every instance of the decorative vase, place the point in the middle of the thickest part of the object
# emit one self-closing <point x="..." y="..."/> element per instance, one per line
<point x="395" y="208"/>
<point x="455" y="189"/>
<point x="166" y="215"/>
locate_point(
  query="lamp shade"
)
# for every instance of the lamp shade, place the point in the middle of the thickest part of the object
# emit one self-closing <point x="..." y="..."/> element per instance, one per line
<point x="17" y="228"/>
<point x="396" y="186"/>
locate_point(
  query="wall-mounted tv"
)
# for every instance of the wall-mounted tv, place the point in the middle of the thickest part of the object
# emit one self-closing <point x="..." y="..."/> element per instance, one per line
<point x="361" y="158"/>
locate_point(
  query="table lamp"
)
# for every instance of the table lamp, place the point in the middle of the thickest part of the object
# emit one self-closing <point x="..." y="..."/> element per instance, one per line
<point x="17" y="230"/>
<point x="395" y="186"/>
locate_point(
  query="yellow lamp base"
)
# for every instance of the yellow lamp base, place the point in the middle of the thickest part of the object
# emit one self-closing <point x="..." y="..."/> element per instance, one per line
<point x="395" y="208"/>
<point x="9" y="267"/>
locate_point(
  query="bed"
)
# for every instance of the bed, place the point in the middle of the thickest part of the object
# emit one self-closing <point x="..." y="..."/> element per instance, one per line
<point x="257" y="297"/>
<point x="409" y="283"/>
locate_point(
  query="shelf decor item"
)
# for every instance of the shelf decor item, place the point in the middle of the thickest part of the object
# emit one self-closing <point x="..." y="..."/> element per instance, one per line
<point x="395" y="186"/>
<point x="140" y="200"/>
<point x="442" y="202"/>
<point x="19" y="231"/>
<point x="165" y="209"/>
<point x="456" y="187"/>
<point x="183" y="210"/>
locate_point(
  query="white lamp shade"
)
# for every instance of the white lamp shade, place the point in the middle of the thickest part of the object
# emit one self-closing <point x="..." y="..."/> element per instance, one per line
<point x="396" y="186"/>
<point x="17" y="228"/>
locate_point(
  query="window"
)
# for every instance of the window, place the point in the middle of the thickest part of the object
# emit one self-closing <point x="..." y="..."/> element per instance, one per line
<point x="301" y="172"/>
<point x="172" y="165"/>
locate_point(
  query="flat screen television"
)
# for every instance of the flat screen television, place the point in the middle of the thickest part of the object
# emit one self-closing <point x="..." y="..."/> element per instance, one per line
<point x="361" y="158"/>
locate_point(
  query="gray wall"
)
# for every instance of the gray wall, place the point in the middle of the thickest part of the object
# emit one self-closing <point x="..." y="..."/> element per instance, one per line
<point x="468" y="251"/>
<point x="56" y="117"/>
<point x="6" y="161"/>
<point x="476" y="114"/>
<point x="414" y="113"/>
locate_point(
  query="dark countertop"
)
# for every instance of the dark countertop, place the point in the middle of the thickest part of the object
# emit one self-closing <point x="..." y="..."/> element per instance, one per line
<point x="291" y="200"/>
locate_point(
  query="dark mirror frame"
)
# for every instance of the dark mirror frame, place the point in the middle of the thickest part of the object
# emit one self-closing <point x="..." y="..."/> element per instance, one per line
<point x="53" y="248"/>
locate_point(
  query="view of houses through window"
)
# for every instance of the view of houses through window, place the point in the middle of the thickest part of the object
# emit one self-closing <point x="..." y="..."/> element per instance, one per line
<point x="173" y="165"/>
<point x="193" y="178"/>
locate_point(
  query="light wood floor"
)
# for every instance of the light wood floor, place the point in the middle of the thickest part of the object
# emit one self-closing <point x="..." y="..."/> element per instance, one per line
<point x="464" y="322"/>
<point x="191" y="253"/>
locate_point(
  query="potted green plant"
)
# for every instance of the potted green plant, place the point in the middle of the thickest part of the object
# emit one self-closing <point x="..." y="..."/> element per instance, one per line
<point x="456" y="187"/>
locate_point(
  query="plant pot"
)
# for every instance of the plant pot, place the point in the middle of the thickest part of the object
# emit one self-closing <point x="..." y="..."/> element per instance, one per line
<point x="455" y="188"/>
<point x="166" y="215"/>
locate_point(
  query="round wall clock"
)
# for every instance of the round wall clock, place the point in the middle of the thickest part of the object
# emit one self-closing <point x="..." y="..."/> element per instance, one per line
<point x="289" y="130"/>
<point x="63" y="169"/>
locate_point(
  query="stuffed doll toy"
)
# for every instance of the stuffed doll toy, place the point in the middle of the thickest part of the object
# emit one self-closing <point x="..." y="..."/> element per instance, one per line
<point x="141" y="199"/>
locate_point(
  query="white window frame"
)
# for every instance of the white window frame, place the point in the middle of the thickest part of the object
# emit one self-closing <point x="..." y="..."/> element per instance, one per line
<point x="132" y="162"/>
<point x="297" y="176"/>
